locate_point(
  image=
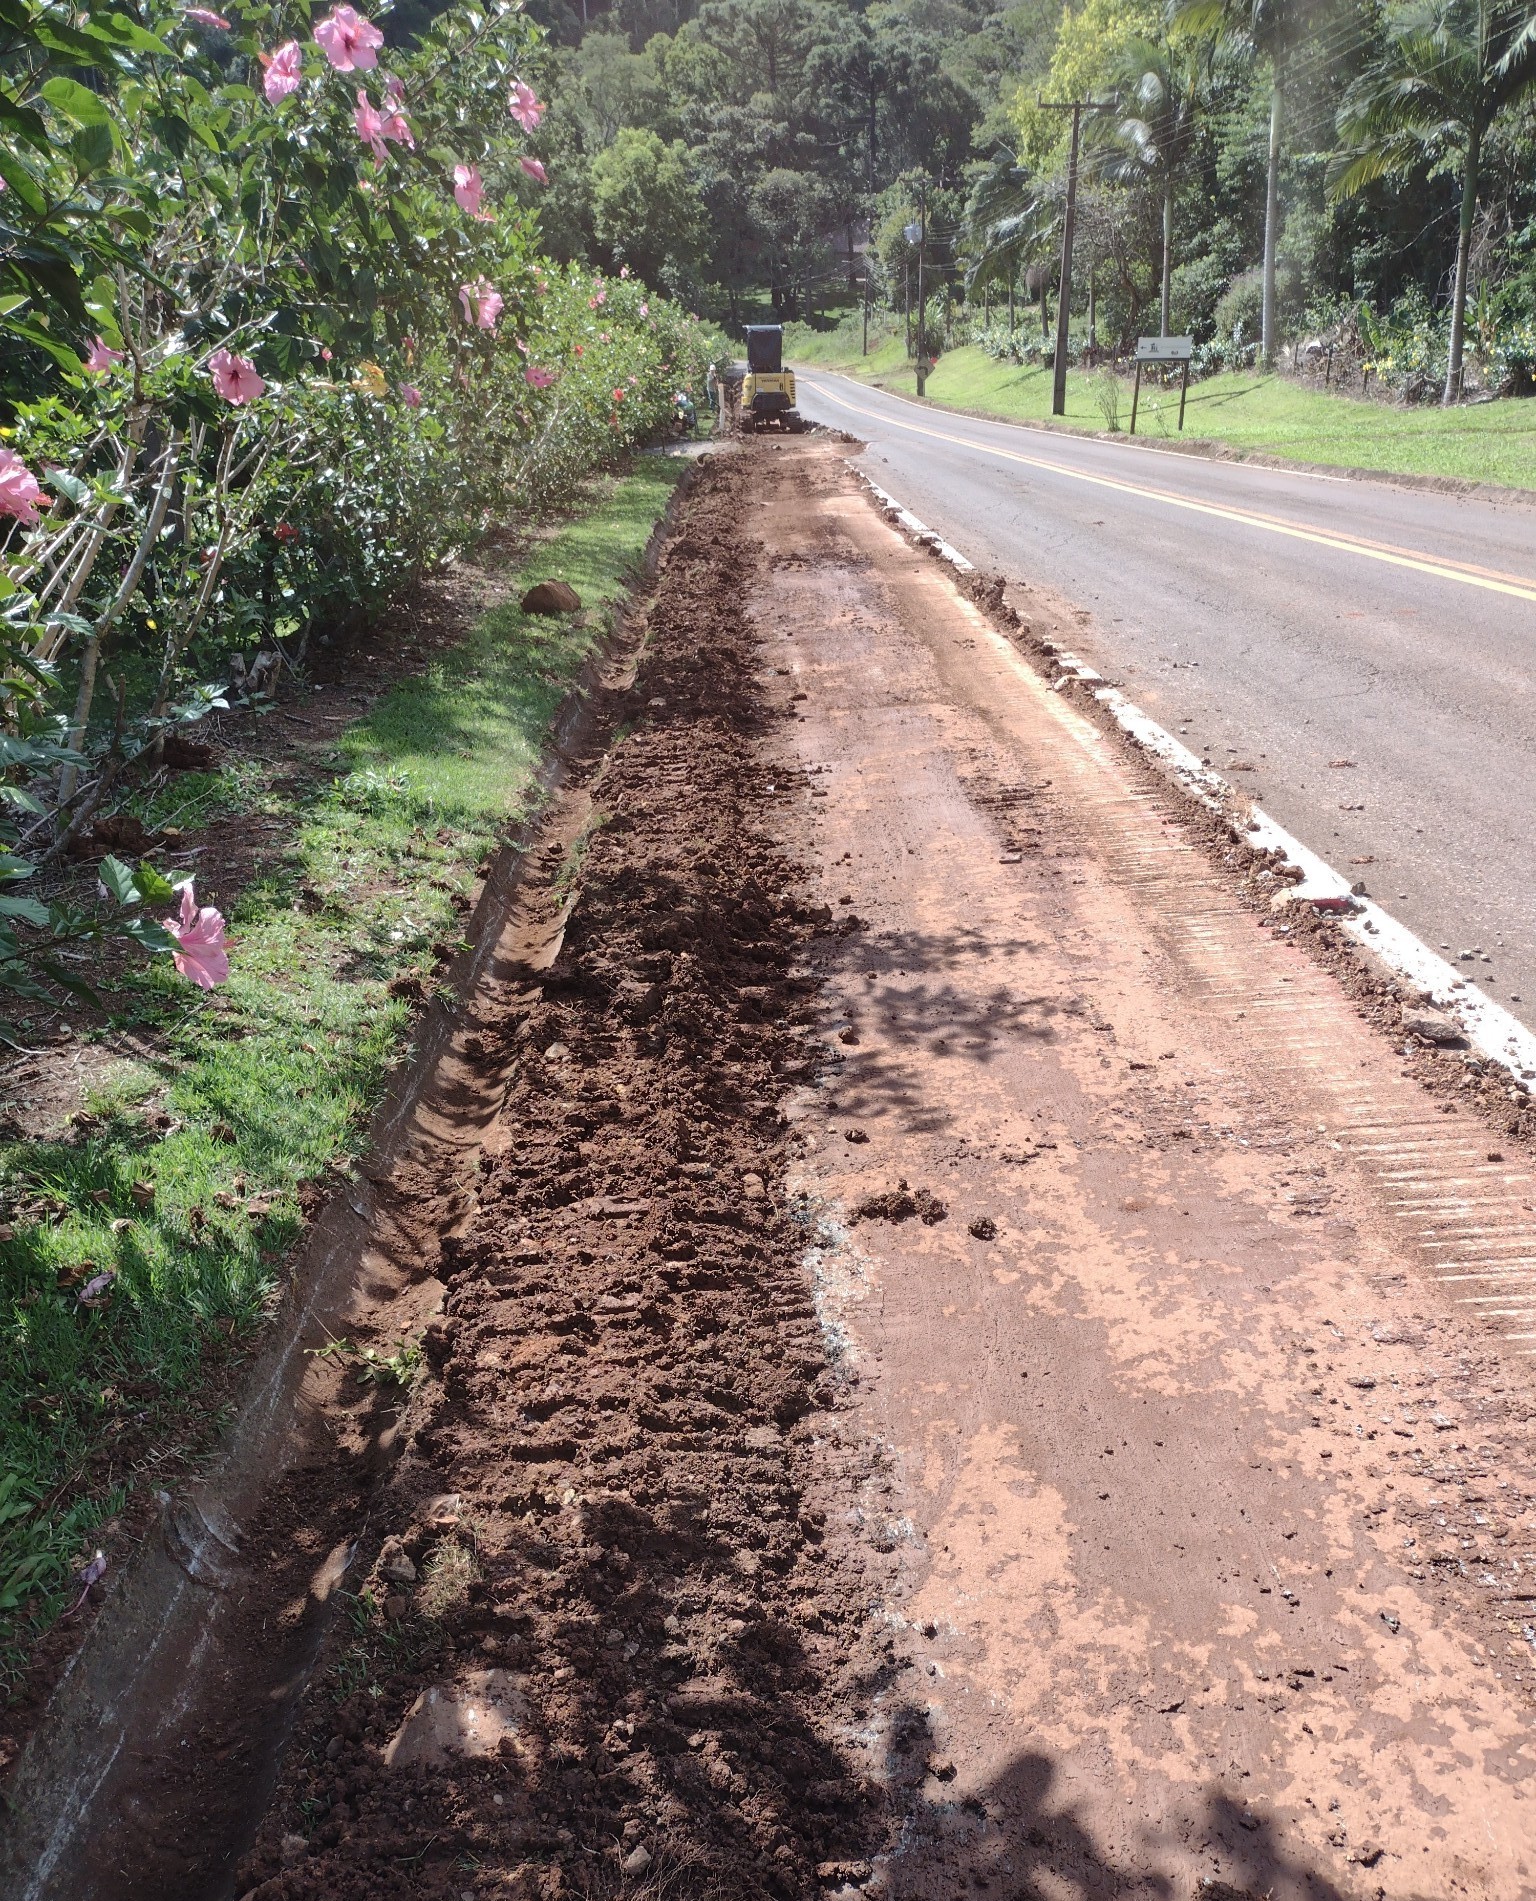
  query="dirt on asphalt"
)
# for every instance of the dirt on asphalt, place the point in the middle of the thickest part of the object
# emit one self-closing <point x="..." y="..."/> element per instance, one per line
<point x="948" y="1365"/>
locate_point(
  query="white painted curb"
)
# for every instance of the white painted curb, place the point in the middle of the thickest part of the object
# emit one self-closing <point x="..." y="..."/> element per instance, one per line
<point x="914" y="527"/>
<point x="1490" y="1029"/>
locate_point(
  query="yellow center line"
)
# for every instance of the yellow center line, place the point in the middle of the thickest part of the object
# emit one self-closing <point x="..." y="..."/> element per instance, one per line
<point x="1492" y="579"/>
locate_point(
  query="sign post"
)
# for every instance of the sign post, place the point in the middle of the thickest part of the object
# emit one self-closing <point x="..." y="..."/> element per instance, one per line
<point x="1162" y="350"/>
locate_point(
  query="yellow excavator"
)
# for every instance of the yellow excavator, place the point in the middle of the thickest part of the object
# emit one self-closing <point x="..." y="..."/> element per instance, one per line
<point x="768" y="389"/>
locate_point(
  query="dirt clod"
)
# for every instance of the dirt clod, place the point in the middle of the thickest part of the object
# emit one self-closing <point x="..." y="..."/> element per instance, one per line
<point x="551" y="597"/>
<point x="901" y="1204"/>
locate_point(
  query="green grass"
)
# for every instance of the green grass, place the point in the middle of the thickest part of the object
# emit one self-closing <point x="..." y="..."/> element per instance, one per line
<point x="184" y="1179"/>
<point x="1272" y="415"/>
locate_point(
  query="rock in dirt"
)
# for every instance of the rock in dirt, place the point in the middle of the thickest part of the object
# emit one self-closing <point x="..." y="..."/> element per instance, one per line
<point x="1434" y="1026"/>
<point x="984" y="1228"/>
<point x="469" y="1718"/>
<point x="637" y="1860"/>
<point x="395" y="1562"/>
<point x="551" y="597"/>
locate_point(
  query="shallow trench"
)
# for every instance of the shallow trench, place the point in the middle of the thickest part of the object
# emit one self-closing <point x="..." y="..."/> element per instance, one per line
<point x="165" y="1732"/>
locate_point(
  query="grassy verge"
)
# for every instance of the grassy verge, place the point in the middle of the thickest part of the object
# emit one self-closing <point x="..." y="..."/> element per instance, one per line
<point x="1487" y="442"/>
<point x="183" y="1178"/>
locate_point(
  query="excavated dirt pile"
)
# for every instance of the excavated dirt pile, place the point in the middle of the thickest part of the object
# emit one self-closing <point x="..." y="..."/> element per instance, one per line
<point x="601" y="1648"/>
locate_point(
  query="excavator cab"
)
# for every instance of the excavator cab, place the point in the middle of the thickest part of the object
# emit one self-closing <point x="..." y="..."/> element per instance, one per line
<point x="768" y="390"/>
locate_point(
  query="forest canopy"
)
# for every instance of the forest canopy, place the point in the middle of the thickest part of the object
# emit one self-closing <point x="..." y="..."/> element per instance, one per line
<point x="1281" y="162"/>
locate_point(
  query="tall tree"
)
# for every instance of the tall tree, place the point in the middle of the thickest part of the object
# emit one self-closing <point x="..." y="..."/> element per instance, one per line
<point x="1271" y="30"/>
<point x="646" y="209"/>
<point x="1446" y="73"/>
<point x="1152" y="132"/>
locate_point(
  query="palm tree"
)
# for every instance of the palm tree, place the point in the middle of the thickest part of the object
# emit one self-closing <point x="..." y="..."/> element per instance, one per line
<point x="1448" y="70"/>
<point x="1010" y="224"/>
<point x="1152" y="130"/>
<point x="1272" y="30"/>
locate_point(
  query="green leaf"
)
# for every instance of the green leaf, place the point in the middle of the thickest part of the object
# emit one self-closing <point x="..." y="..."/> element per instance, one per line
<point x="118" y="879"/>
<point x="23" y="801"/>
<point x="75" y="101"/>
<point x="153" y="937"/>
<point x="122" y="31"/>
<point x="67" y="980"/>
<point x="93" y="146"/>
<point x="154" y="886"/>
<point x="21" y="181"/>
<point x="23" y="122"/>
<point x="13" y="870"/>
<point x="69" y="486"/>
<point x="27" y="909"/>
<point x="66" y="357"/>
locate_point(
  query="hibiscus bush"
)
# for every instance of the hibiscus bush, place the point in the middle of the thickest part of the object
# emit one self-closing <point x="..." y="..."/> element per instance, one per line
<point x="275" y="334"/>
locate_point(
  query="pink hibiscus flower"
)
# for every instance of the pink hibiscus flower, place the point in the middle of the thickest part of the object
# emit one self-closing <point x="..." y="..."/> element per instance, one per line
<point x="284" y="72"/>
<point x="20" y="490"/>
<point x="199" y="934"/>
<point x="396" y="125"/>
<point x="102" y="356"/>
<point x="370" y="126"/>
<point x="483" y="304"/>
<point x="523" y="103"/>
<point x="349" y="41"/>
<point x="468" y="190"/>
<point x="537" y="378"/>
<point x="410" y="396"/>
<point x="234" y="377"/>
<point x="534" y="170"/>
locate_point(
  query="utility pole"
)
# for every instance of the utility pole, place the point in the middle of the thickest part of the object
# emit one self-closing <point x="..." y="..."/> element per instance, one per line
<point x="866" y="306"/>
<point x="1077" y="107"/>
<point x="918" y="234"/>
<point x="922" y="293"/>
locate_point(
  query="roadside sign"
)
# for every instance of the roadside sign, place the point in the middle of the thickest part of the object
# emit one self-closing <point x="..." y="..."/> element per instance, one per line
<point x="1164" y="349"/>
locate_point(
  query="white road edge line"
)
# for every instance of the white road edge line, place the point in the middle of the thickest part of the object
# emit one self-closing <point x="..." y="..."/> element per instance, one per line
<point x="1492" y="1031"/>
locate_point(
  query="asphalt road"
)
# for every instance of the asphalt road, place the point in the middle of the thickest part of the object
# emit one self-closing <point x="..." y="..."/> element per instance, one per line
<point x="1280" y="621"/>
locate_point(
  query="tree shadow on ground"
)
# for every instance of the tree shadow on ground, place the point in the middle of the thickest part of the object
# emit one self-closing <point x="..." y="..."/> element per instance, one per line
<point x="1023" y="1837"/>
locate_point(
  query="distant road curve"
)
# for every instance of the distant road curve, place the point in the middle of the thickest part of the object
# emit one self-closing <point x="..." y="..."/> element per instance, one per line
<point x="1281" y="620"/>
